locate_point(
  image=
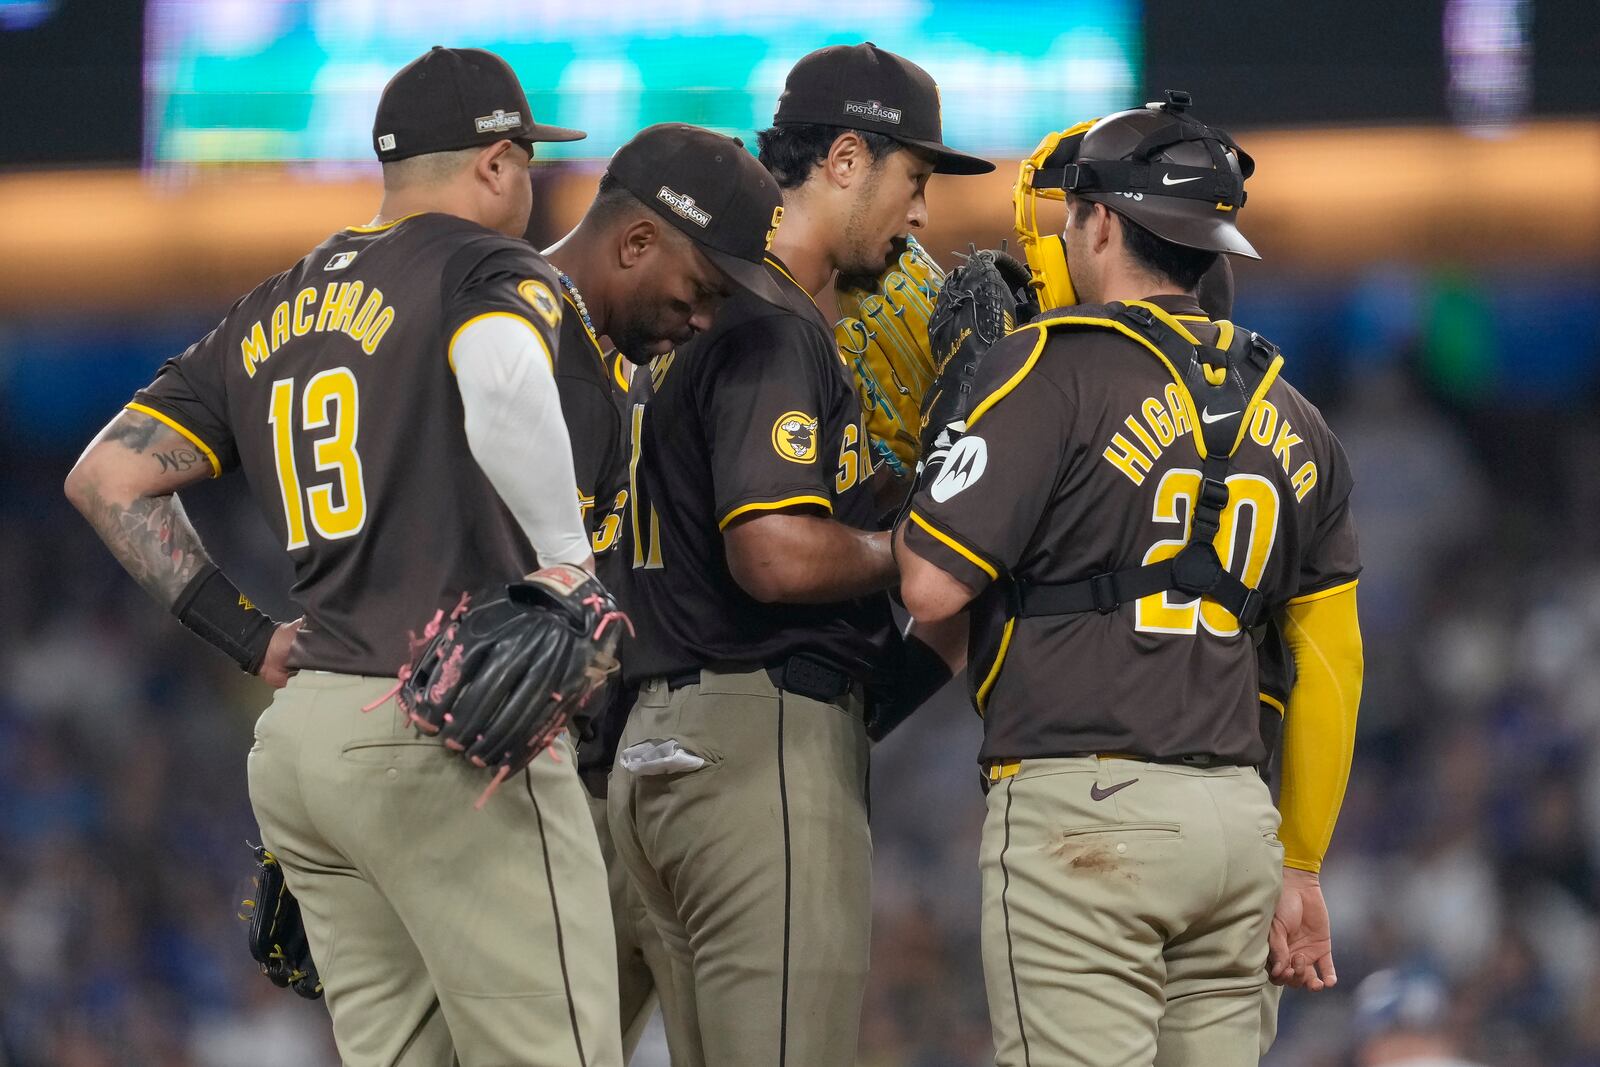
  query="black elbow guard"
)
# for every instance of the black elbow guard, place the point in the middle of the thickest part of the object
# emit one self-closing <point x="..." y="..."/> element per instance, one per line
<point x="213" y="607"/>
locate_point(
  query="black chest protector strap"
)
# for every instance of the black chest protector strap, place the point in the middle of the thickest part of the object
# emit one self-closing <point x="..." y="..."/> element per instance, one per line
<point x="1224" y="408"/>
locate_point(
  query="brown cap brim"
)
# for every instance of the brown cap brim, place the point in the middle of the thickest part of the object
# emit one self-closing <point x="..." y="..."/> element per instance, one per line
<point x="948" y="161"/>
<point x="747" y="275"/>
<point x="541" y="132"/>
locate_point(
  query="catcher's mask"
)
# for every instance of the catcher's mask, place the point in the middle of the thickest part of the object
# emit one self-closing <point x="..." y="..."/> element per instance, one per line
<point x="1178" y="178"/>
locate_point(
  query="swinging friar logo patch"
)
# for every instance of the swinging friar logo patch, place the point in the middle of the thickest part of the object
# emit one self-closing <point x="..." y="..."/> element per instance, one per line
<point x="962" y="467"/>
<point x="794" y="437"/>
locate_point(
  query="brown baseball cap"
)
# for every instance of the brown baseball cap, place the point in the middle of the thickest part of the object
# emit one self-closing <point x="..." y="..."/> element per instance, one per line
<point x="709" y="187"/>
<point x="863" y="87"/>
<point x="452" y="98"/>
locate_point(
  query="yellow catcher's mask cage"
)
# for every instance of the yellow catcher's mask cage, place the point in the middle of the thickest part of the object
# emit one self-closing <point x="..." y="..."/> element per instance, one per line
<point x="1046" y="253"/>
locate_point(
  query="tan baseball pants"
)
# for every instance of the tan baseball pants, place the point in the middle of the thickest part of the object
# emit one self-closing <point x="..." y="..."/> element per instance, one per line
<point x="640" y="954"/>
<point x="443" y="935"/>
<point x="1131" y="929"/>
<point x="756" y="869"/>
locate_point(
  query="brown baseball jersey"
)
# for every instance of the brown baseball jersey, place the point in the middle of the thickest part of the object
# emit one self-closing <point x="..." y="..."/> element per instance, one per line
<point x="756" y="414"/>
<point x="594" y="392"/>
<point x="1080" y="459"/>
<point x="329" y="385"/>
<point x="593" y="387"/>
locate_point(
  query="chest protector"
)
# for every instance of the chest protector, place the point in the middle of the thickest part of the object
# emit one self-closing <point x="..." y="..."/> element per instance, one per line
<point x="1221" y="387"/>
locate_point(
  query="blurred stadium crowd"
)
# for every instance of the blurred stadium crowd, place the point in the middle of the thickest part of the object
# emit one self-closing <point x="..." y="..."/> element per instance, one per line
<point x="1465" y="856"/>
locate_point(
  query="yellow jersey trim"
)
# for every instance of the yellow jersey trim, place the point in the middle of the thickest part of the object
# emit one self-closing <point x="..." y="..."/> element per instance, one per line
<point x="594" y="343"/>
<point x="779" y="267"/>
<point x="994" y="669"/>
<point x="620" y="373"/>
<point x="216" y="467"/>
<point x="1012" y="382"/>
<point x="786" y="502"/>
<point x="1323" y="594"/>
<point x="956" y="547"/>
<point x="1274" y="703"/>
<point x="1134" y="335"/>
<point x="1188" y="401"/>
<point x="380" y="227"/>
<point x="450" y="353"/>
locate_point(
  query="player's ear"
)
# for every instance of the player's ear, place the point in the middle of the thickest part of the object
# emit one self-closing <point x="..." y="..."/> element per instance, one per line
<point x="847" y="159"/>
<point x="636" y="239"/>
<point x="496" y="165"/>
<point x="1100" y="224"/>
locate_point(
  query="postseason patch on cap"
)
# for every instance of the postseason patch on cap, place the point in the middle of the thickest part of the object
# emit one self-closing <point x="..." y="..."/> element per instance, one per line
<point x="684" y="207"/>
<point x="499" y="122"/>
<point x="871" y="110"/>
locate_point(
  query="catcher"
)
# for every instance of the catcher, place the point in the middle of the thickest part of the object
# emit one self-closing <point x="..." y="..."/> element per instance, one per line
<point x="1184" y="495"/>
<point x="392" y="402"/>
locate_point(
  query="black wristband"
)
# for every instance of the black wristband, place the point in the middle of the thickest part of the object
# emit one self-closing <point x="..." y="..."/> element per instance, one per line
<point x="922" y="673"/>
<point x="213" y="607"/>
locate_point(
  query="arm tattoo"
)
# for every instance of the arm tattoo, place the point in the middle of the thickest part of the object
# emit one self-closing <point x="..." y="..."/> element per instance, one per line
<point x="133" y="430"/>
<point x="152" y="538"/>
<point x="149" y="535"/>
<point x="179" y="459"/>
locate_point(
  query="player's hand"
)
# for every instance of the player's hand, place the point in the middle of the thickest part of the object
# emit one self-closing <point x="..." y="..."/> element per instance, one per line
<point x="1300" y="945"/>
<point x="275" y="668"/>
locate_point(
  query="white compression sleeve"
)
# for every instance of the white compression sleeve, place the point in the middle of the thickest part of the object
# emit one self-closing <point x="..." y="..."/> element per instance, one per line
<point x="516" y="432"/>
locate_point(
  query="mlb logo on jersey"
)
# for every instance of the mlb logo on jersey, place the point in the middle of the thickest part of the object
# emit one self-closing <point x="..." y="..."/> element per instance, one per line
<point x="341" y="261"/>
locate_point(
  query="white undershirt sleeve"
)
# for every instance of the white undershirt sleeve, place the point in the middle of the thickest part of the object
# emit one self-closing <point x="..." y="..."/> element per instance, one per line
<point x="516" y="432"/>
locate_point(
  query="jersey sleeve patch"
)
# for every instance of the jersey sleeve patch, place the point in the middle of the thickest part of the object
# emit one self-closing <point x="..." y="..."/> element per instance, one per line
<point x="794" y="437"/>
<point x="965" y="464"/>
<point x="542" y="300"/>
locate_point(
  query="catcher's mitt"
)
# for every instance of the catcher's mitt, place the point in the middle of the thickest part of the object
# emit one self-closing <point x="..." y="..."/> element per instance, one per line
<point x="884" y="336"/>
<point x="503" y="676"/>
<point x="976" y="307"/>
<point x="277" y="936"/>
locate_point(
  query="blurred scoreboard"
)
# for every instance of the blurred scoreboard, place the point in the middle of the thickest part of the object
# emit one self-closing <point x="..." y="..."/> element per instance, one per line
<point x="298" y="80"/>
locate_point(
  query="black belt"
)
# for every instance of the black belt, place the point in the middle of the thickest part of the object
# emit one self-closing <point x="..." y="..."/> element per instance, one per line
<point x="1196" y="759"/>
<point x="802" y="674"/>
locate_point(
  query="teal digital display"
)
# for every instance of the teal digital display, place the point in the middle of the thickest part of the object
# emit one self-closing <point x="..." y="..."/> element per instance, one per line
<point x="298" y="80"/>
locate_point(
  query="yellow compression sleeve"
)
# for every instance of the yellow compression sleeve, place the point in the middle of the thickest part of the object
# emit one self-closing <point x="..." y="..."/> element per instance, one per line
<point x="1319" y="730"/>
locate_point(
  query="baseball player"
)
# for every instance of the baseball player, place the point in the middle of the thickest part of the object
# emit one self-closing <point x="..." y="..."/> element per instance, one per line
<point x="739" y="801"/>
<point x="391" y="400"/>
<point x="1131" y="490"/>
<point x="640" y="270"/>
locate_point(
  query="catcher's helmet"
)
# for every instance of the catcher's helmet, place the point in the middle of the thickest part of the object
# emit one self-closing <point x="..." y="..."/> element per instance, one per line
<point x="1178" y="178"/>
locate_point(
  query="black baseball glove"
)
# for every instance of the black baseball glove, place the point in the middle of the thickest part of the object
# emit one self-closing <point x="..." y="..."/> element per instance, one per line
<point x="277" y="936"/>
<point x="976" y="307"/>
<point x="507" y="672"/>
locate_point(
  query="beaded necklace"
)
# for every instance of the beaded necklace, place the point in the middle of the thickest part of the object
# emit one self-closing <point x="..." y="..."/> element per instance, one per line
<point x="577" y="299"/>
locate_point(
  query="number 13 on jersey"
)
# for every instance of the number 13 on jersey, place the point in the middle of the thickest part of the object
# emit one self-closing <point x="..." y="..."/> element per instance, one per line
<point x="330" y="402"/>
